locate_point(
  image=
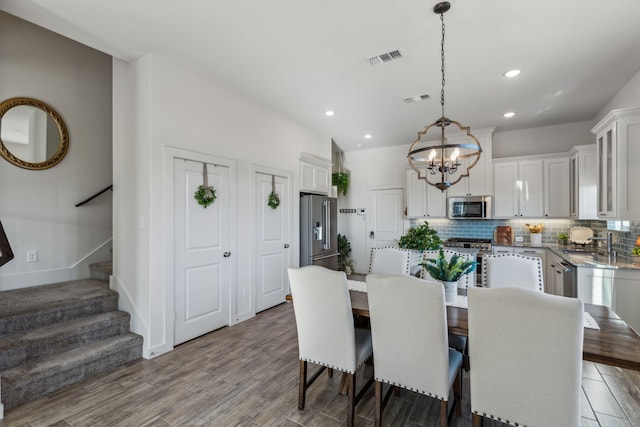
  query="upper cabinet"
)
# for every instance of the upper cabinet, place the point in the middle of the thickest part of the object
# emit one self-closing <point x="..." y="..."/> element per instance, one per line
<point x="424" y="200"/>
<point x="531" y="187"/>
<point x="315" y="176"/>
<point x="480" y="180"/>
<point x="518" y="189"/>
<point x="556" y="187"/>
<point x="583" y="182"/>
<point x="618" y="154"/>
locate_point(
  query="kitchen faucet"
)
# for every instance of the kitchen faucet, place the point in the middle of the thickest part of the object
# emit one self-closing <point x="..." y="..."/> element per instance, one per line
<point x="609" y="239"/>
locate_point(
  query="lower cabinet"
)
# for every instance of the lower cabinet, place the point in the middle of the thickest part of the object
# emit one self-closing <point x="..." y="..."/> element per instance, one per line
<point x="617" y="289"/>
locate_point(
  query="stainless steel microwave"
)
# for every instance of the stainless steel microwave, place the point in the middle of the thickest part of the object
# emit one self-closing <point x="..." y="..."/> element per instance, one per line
<point x="469" y="207"/>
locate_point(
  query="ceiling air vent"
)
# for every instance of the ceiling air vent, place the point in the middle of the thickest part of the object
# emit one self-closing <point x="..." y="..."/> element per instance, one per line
<point x="384" y="57"/>
<point x="416" y="98"/>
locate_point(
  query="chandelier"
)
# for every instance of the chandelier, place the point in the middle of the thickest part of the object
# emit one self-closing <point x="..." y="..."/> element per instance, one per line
<point x="445" y="161"/>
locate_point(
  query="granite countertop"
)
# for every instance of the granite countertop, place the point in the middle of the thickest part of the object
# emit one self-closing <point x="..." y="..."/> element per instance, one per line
<point x="586" y="258"/>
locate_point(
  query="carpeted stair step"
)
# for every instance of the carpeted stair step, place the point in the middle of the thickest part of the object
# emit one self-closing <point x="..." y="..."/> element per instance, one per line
<point x="40" y="343"/>
<point x="29" y="308"/>
<point x="101" y="270"/>
<point x="32" y="380"/>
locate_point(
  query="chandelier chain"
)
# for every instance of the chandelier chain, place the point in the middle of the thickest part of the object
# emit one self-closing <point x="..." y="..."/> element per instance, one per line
<point x="442" y="62"/>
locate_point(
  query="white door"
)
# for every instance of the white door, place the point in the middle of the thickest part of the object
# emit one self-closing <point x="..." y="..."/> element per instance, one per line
<point x="201" y="240"/>
<point x="272" y="241"/>
<point x="385" y="220"/>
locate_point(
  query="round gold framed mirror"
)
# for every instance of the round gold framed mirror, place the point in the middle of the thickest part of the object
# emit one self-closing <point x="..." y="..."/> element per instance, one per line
<point x="32" y="134"/>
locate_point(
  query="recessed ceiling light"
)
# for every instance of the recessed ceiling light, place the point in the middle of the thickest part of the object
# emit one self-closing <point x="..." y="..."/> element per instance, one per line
<point x="509" y="114"/>
<point x="512" y="73"/>
<point x="329" y="113"/>
<point x="360" y="145"/>
<point x="367" y="136"/>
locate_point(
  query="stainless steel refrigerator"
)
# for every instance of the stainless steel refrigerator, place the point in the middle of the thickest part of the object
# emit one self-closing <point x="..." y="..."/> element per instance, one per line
<point x="318" y="231"/>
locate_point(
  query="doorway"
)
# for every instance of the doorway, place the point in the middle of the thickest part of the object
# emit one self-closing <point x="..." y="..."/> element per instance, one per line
<point x="201" y="241"/>
<point x="273" y="238"/>
<point x="385" y="217"/>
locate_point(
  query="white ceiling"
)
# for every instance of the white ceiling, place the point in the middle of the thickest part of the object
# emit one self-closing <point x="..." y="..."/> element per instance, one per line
<point x="302" y="57"/>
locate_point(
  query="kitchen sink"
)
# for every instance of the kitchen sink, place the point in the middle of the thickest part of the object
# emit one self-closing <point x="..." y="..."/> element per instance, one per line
<point x="585" y="252"/>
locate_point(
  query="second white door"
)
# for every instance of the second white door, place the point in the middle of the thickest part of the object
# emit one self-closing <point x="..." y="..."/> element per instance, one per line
<point x="273" y="240"/>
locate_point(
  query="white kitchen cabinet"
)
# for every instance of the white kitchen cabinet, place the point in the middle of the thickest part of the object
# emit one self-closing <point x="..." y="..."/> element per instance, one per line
<point x="618" y="289"/>
<point x="501" y="250"/>
<point x="618" y="156"/>
<point x="583" y="182"/>
<point x="556" y="187"/>
<point x="315" y="176"/>
<point x="595" y="286"/>
<point x="424" y="200"/>
<point x="480" y="180"/>
<point x="518" y="189"/>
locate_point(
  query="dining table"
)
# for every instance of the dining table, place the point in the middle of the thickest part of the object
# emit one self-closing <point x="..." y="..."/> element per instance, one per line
<point x="614" y="343"/>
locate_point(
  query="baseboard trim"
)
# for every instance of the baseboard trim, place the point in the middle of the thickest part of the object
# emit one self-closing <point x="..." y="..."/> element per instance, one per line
<point x="78" y="270"/>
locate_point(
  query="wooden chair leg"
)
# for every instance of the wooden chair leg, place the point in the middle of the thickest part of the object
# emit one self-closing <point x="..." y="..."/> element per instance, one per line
<point x="443" y="414"/>
<point x="457" y="393"/>
<point x="351" y="397"/>
<point x="477" y="420"/>
<point x="330" y="372"/>
<point x="302" y="386"/>
<point x="378" y="413"/>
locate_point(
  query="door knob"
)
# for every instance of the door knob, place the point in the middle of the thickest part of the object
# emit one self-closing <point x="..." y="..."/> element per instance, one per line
<point x="226" y="254"/>
<point x="286" y="246"/>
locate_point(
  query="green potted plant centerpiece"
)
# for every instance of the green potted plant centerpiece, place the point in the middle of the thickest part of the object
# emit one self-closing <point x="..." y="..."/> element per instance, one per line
<point x="449" y="272"/>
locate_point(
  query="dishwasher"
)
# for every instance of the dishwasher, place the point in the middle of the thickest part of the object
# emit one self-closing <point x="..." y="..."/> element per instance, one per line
<point x="569" y="279"/>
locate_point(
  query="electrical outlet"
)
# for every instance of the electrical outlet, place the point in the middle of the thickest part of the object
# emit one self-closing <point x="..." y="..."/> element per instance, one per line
<point x="32" y="256"/>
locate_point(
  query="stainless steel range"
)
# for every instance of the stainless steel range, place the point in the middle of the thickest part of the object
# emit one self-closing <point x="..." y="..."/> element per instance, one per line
<point x="482" y="245"/>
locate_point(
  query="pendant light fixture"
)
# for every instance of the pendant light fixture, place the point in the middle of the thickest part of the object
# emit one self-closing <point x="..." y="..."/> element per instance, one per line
<point x="445" y="161"/>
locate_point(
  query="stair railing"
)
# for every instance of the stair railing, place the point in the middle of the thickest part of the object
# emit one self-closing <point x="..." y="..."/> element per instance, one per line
<point x="84" y="202"/>
<point x="6" y="254"/>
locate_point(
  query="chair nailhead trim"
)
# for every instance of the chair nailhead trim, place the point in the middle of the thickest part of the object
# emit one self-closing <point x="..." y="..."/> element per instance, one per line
<point x="493" y="417"/>
<point x="426" y="393"/>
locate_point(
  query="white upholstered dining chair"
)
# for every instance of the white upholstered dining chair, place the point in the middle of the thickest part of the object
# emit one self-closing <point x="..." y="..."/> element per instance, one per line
<point x="409" y="333"/>
<point x="326" y="332"/>
<point x="389" y="260"/>
<point x="457" y="342"/>
<point x="512" y="270"/>
<point x="526" y="357"/>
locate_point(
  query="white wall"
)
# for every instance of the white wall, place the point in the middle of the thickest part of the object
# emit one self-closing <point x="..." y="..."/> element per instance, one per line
<point x="37" y="207"/>
<point x="369" y="169"/>
<point x="166" y="105"/>
<point x="542" y="140"/>
<point x="627" y="97"/>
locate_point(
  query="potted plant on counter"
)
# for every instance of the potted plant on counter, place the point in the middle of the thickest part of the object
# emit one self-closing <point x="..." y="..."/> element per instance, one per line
<point x="418" y="239"/>
<point x="563" y="239"/>
<point x="449" y="272"/>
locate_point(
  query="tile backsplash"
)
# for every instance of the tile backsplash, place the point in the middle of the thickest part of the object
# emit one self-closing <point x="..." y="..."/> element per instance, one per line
<point x="623" y="241"/>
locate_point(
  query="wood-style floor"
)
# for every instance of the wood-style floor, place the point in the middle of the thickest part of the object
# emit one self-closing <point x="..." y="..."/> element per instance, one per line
<point x="247" y="375"/>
